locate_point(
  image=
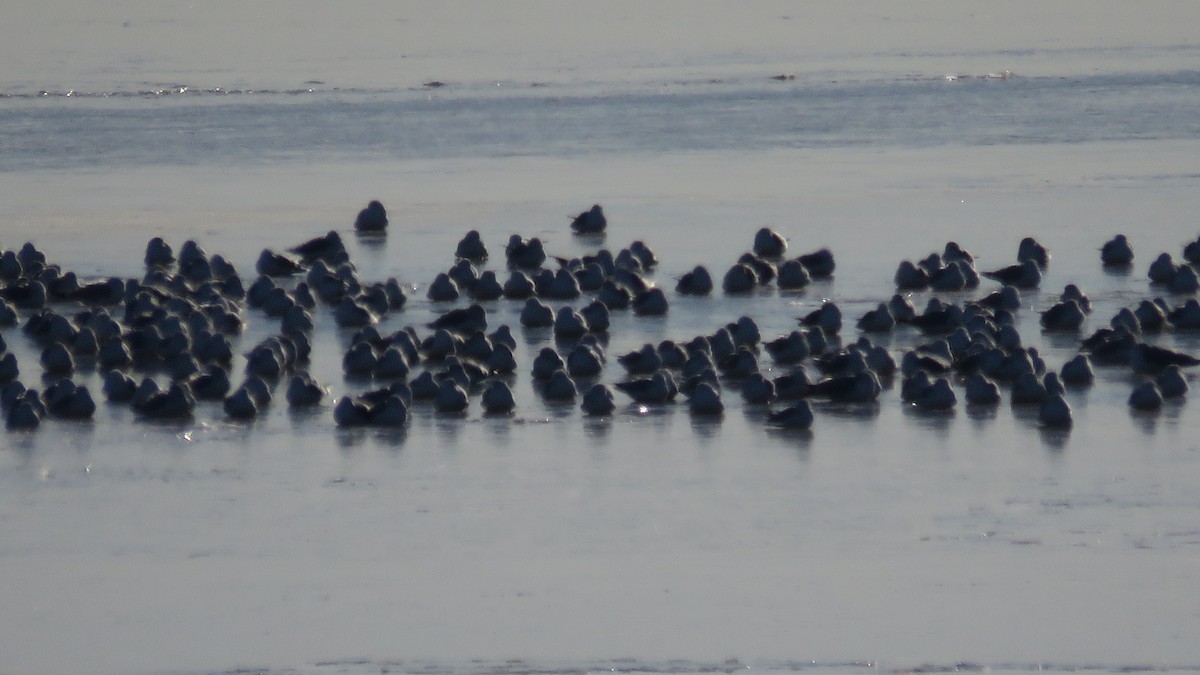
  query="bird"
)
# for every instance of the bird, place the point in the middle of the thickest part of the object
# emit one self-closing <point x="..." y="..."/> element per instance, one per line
<point x="861" y="387"/>
<point x="1172" y="382"/>
<point x="758" y="389"/>
<point x="591" y="221"/>
<point x="1029" y="249"/>
<point x="1163" y="270"/>
<point x="696" y="282"/>
<point x="651" y="302"/>
<point x="954" y="252"/>
<point x="764" y="270"/>
<point x="798" y="416"/>
<point x="828" y="317"/>
<point x="819" y="263"/>
<point x="1116" y="252"/>
<point x="740" y="278"/>
<point x="596" y="315"/>
<point x="910" y="277"/>
<point x="937" y="396"/>
<point x="792" y="275"/>
<point x="644" y="361"/>
<point x="450" y="398"/>
<point x="562" y="286"/>
<point x="598" y="400"/>
<point x="1186" y="316"/>
<point x="471" y="247"/>
<point x="1063" y="316"/>
<point x="524" y="253"/>
<point x="443" y="288"/>
<point x="272" y="264"/>
<point x="559" y="387"/>
<point x="658" y="388"/>
<point x="373" y="218"/>
<point x="1146" y="396"/>
<point x="304" y="391"/>
<point x="1078" y="371"/>
<point x="1073" y="292"/>
<point x="1024" y="275"/>
<point x="981" y="391"/>
<point x="706" y="400"/>
<point x="176" y="402"/>
<point x="67" y="400"/>
<point x="878" y="320"/>
<point x="1186" y="281"/>
<point x="519" y="286"/>
<point x="111" y="291"/>
<point x="769" y="244"/>
<point x="328" y="248"/>
<point x="462" y="321"/>
<point x="788" y="349"/>
<point x="536" y="314"/>
<point x="1055" y="412"/>
<point x="497" y="398"/>
<point x="584" y="361"/>
<point x="1152" y="359"/>
<point x="952" y="277"/>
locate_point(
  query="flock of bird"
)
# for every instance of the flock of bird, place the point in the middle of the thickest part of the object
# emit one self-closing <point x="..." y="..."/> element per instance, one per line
<point x="180" y="321"/>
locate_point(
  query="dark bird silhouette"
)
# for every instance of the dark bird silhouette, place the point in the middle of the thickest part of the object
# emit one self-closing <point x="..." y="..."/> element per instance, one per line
<point x="591" y="221"/>
<point x="372" y="219"/>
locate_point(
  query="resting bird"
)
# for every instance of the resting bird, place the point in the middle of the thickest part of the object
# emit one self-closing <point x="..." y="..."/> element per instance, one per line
<point x="1026" y="274"/>
<point x="1030" y="249"/>
<point x="591" y="221"/>
<point x="858" y="388"/>
<point x="1151" y="359"/>
<point x="658" y="388"/>
<point x="271" y="264"/>
<point x="1064" y="316"/>
<point x="1116" y="252"/>
<point x="463" y="321"/>
<point x="372" y="219"/>
<point x="328" y="248"/>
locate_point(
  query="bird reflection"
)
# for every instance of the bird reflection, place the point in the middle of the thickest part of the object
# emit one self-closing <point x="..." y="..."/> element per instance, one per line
<point x="938" y="421"/>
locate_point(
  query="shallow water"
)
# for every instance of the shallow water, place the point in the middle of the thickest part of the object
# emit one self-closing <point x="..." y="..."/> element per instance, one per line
<point x="653" y="541"/>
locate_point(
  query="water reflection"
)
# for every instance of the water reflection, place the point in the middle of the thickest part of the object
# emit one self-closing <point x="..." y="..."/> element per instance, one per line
<point x="240" y="430"/>
<point x="1025" y="412"/>
<point x="449" y="426"/>
<point x="590" y="238"/>
<point x="1054" y="438"/>
<point x="1171" y="410"/>
<point x="850" y="411"/>
<point x="306" y="414"/>
<point x="22" y="443"/>
<point x="706" y="427"/>
<point x="371" y="242"/>
<point x="937" y="421"/>
<point x="1061" y="340"/>
<point x="598" y="428"/>
<point x="1146" y="421"/>
<point x="657" y="416"/>
<point x="559" y="409"/>
<point x="756" y="415"/>
<point x="801" y="439"/>
<point x="1117" y="271"/>
<point x="564" y="343"/>
<point x="1187" y="340"/>
<point x="536" y="337"/>
<point x="112" y="412"/>
<point x="391" y="437"/>
<point x="980" y="415"/>
<point x="350" y="438"/>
